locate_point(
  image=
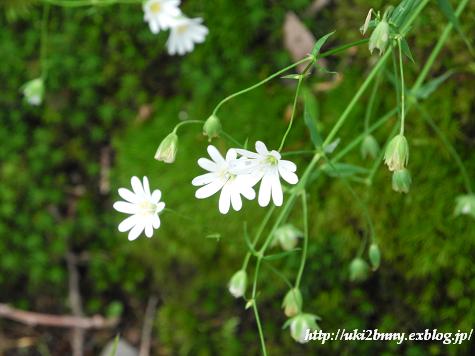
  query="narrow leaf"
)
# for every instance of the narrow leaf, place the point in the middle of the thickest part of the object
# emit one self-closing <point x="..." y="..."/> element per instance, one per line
<point x="449" y="12"/>
<point x="318" y="45"/>
<point x="406" y="50"/>
<point x="427" y="89"/>
<point x="343" y="169"/>
<point x="280" y="255"/>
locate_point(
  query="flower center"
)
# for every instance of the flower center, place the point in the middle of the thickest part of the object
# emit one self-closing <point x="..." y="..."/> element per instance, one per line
<point x="271" y="160"/>
<point x="155" y="8"/>
<point x="147" y="208"/>
<point x="182" y="29"/>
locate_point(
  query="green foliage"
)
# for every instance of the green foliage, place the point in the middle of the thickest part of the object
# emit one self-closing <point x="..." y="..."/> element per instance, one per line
<point x="112" y="88"/>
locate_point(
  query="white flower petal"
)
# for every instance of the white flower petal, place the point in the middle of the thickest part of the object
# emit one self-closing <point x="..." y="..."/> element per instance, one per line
<point x="128" y="223"/>
<point x="156" y="221"/>
<point x="146" y="186"/>
<point x="137" y="186"/>
<point x="225" y="199"/>
<point x="136" y="231"/>
<point x="261" y="148"/>
<point x="124" y="207"/>
<point x="288" y="176"/>
<point x="203" y="179"/>
<point x="277" y="195"/>
<point x="287" y="165"/>
<point x="156" y="195"/>
<point x="207" y="164"/>
<point x="246" y="153"/>
<point x="215" y="155"/>
<point x="209" y="189"/>
<point x="149" y="229"/>
<point x="160" y="207"/>
<point x="265" y="190"/>
<point x="127" y="195"/>
<point x="236" y="200"/>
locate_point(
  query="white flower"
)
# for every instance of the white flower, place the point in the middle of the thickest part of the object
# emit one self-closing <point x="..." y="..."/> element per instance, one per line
<point x="143" y="207"/>
<point x="161" y="14"/>
<point x="268" y="167"/>
<point x="184" y="34"/>
<point x="220" y="177"/>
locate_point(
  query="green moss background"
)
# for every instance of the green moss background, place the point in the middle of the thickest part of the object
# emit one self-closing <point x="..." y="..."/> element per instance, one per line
<point x="112" y="88"/>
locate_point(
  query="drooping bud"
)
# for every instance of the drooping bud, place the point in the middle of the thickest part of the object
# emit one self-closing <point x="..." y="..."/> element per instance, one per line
<point x="34" y="91"/>
<point x="364" y="28"/>
<point x="287" y="236"/>
<point x="292" y="303"/>
<point x="374" y="256"/>
<point x="380" y="37"/>
<point x="299" y="325"/>
<point x="465" y="205"/>
<point x="396" y="155"/>
<point x="369" y="147"/>
<point x="167" y="149"/>
<point x="359" y="270"/>
<point x="238" y="283"/>
<point x="212" y="127"/>
<point x="402" y="181"/>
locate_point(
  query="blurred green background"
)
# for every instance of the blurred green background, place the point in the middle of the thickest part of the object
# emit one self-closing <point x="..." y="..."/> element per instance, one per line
<point x="113" y="93"/>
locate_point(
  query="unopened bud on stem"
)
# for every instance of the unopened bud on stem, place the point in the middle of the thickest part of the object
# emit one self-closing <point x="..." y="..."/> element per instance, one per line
<point x="166" y="152"/>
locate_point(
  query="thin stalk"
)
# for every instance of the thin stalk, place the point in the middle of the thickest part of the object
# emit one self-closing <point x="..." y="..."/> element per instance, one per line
<point x="305" y="239"/>
<point x="254" y="306"/>
<point x="294" y="109"/>
<point x="449" y="147"/>
<point x="372" y="99"/>
<point x="403" y="94"/>
<point x="282" y="71"/>
<point x="231" y="138"/>
<point x="259" y="234"/>
<point x="186" y="122"/>
<point x="262" y="82"/>
<point x="44" y="42"/>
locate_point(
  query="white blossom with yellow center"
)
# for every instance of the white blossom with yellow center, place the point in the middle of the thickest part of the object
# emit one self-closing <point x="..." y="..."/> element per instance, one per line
<point x="268" y="167"/>
<point x="142" y="205"/>
<point x="184" y="34"/>
<point x="221" y="177"/>
<point x="161" y="14"/>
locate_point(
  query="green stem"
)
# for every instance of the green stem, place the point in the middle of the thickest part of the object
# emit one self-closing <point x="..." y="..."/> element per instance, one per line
<point x="449" y="147"/>
<point x="262" y="82"/>
<point x="294" y="109"/>
<point x="305" y="241"/>
<point x="372" y="99"/>
<point x="379" y="159"/>
<point x="259" y="328"/>
<point x="44" y="42"/>
<point x="438" y="47"/>
<point x="231" y="138"/>
<point x="259" y="234"/>
<point x="186" y="123"/>
<point x="403" y="94"/>
<point x="282" y="71"/>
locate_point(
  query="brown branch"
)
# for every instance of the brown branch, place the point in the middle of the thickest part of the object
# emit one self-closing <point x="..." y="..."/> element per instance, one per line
<point x="77" y="341"/>
<point x="59" y="321"/>
<point x="147" y="326"/>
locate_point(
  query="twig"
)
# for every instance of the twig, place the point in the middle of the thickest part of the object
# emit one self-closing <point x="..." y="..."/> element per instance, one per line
<point x="77" y="341"/>
<point x="59" y="321"/>
<point x="147" y="326"/>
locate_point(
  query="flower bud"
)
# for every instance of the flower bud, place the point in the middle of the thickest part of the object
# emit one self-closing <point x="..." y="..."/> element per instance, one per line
<point x="166" y="152"/>
<point x="212" y="127"/>
<point x="396" y="155"/>
<point x="34" y="91"/>
<point x="299" y="325"/>
<point x="369" y="147"/>
<point x="374" y="256"/>
<point x="292" y="303"/>
<point x="465" y="205"/>
<point x="380" y="37"/>
<point x="237" y="284"/>
<point x="287" y="235"/>
<point x="402" y="181"/>
<point x="359" y="270"/>
<point x="364" y="28"/>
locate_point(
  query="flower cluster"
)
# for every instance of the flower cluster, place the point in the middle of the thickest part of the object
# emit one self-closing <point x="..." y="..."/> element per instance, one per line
<point x="238" y="172"/>
<point x="184" y="31"/>
<point x="234" y="175"/>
